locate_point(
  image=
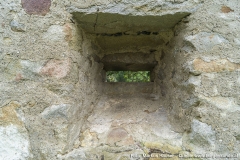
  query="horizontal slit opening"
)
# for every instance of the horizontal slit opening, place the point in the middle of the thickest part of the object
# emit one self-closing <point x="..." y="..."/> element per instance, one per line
<point x="128" y="76"/>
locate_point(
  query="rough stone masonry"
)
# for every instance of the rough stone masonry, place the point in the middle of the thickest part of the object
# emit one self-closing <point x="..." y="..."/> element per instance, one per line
<point x="56" y="105"/>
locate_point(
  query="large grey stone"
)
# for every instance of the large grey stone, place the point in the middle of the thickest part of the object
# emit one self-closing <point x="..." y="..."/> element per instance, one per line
<point x="205" y="41"/>
<point x="202" y="137"/>
<point x="56" y="111"/>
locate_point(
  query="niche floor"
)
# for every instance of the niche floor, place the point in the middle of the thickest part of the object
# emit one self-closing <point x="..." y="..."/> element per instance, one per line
<point x="121" y="127"/>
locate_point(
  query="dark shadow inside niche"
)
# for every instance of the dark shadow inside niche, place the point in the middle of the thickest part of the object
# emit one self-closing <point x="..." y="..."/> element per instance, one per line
<point x="128" y="46"/>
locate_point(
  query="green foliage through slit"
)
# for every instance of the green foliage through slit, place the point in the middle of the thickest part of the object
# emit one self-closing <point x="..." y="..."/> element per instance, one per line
<point x="128" y="76"/>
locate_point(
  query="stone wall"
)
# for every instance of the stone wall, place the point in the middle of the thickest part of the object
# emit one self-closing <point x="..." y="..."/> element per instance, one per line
<point x="54" y="103"/>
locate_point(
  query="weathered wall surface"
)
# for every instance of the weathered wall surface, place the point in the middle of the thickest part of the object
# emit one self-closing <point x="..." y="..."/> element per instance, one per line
<point x="206" y="52"/>
<point x="52" y="101"/>
<point x="46" y="90"/>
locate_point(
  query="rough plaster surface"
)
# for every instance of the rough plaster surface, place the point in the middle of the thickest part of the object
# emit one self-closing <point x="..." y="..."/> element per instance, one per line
<point x="55" y="105"/>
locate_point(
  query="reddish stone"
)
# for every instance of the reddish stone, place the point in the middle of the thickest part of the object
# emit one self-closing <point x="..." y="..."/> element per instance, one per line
<point x="36" y="7"/>
<point x="18" y="77"/>
<point x="68" y="31"/>
<point x="56" y="68"/>
<point x="226" y="9"/>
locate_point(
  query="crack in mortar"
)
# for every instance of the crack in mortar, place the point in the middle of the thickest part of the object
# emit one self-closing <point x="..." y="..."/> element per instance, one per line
<point x="96" y="21"/>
